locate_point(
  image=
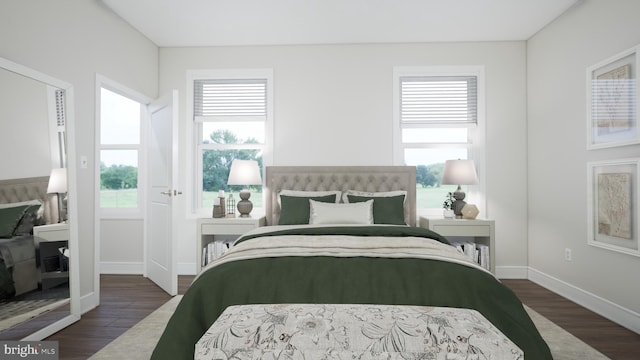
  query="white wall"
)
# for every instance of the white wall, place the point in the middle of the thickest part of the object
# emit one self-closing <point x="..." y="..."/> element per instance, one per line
<point x="24" y="127"/>
<point x="72" y="40"/>
<point x="557" y="59"/>
<point x="121" y="248"/>
<point x="333" y="106"/>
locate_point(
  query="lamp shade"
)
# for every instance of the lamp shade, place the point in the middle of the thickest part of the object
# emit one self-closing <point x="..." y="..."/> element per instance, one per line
<point x="244" y="172"/>
<point x="57" y="181"/>
<point x="459" y="172"/>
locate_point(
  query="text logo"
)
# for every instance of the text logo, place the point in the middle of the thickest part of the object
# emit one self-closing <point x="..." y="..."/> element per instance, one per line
<point x="32" y="350"/>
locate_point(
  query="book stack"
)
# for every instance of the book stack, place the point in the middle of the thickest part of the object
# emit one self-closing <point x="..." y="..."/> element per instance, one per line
<point x="213" y="250"/>
<point x="476" y="252"/>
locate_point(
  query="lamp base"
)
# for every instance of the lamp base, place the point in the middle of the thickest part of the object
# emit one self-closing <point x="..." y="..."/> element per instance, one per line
<point x="459" y="203"/>
<point x="244" y="205"/>
<point x="457" y="208"/>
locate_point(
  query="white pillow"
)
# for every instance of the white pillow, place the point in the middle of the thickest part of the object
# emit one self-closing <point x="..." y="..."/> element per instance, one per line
<point x="21" y="203"/>
<point x="329" y="213"/>
<point x="301" y="193"/>
<point x="346" y="193"/>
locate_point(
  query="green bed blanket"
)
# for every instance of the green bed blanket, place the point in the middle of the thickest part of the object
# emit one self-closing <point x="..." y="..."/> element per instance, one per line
<point x="14" y="251"/>
<point x="346" y="280"/>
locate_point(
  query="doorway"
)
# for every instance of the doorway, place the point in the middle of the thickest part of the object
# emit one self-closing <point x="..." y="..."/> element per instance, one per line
<point x="120" y="192"/>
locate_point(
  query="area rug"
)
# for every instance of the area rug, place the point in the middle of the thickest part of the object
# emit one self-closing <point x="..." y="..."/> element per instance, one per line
<point x="139" y="341"/>
<point x="14" y="313"/>
<point x="563" y="345"/>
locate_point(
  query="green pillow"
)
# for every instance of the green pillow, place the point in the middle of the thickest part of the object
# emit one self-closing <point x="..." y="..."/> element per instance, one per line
<point x="386" y="209"/>
<point x="295" y="210"/>
<point x="29" y="220"/>
<point x="9" y="220"/>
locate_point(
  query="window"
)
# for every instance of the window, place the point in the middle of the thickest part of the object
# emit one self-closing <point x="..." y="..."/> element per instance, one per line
<point x="231" y="120"/>
<point x="57" y="114"/>
<point x="120" y="147"/>
<point x="438" y="117"/>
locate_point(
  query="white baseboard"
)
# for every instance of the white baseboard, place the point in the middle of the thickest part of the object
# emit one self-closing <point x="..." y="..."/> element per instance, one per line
<point x="614" y="312"/>
<point x="88" y="302"/>
<point x="511" y="272"/>
<point x="122" y="268"/>
<point x="187" y="269"/>
<point x="137" y="268"/>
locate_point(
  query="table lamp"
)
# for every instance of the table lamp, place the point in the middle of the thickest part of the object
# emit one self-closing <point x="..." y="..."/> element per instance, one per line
<point x="245" y="173"/>
<point x="58" y="185"/>
<point x="459" y="172"/>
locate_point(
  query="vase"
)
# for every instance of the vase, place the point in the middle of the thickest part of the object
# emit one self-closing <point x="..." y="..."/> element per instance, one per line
<point x="448" y="213"/>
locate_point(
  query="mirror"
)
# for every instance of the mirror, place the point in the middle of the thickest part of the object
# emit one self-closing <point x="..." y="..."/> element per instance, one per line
<point x="39" y="277"/>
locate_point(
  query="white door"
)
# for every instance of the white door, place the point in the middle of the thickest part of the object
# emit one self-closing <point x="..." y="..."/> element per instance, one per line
<point x="162" y="162"/>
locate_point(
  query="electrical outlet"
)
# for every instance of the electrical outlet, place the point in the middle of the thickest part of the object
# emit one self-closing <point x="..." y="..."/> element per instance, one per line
<point x="567" y="254"/>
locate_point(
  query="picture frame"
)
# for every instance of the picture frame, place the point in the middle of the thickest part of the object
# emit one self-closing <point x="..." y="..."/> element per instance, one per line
<point x="612" y="101"/>
<point x="612" y="205"/>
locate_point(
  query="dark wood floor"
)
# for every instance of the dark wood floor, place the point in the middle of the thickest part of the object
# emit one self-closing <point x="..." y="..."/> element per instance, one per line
<point x="124" y="301"/>
<point x="127" y="299"/>
<point x="612" y="340"/>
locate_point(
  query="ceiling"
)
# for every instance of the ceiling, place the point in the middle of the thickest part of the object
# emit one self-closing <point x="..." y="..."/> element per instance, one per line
<point x="178" y="23"/>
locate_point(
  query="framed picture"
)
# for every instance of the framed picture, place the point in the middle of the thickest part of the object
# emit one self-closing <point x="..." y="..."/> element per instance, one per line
<point x="612" y="101"/>
<point x="612" y="203"/>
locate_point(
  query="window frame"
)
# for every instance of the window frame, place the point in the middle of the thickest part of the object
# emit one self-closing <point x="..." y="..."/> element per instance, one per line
<point x="476" y="136"/>
<point x="122" y="213"/>
<point x="194" y="128"/>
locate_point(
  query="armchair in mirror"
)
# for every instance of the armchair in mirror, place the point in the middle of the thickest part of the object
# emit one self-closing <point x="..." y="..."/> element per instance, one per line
<point x="39" y="280"/>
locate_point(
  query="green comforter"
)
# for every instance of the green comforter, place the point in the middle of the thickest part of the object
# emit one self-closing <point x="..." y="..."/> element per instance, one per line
<point x="349" y="279"/>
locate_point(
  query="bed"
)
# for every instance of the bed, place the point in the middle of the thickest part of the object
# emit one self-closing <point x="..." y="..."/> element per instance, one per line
<point x="24" y="203"/>
<point x="348" y="252"/>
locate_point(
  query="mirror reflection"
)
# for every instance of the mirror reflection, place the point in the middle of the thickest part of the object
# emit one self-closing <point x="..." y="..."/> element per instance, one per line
<point x="34" y="233"/>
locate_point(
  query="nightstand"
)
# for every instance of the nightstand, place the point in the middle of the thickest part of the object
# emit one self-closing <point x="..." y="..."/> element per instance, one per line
<point x="214" y="235"/>
<point x="54" y="266"/>
<point x="480" y="232"/>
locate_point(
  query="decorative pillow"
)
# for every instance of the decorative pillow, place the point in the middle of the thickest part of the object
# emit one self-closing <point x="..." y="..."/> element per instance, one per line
<point x="21" y="203"/>
<point x="346" y="193"/>
<point x="386" y="209"/>
<point x="10" y="218"/>
<point x="38" y="203"/>
<point x="295" y="210"/>
<point x="30" y="219"/>
<point x="327" y="213"/>
<point x="307" y="194"/>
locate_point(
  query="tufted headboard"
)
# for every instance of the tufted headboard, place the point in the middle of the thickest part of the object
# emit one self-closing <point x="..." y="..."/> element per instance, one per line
<point x="318" y="178"/>
<point x="17" y="190"/>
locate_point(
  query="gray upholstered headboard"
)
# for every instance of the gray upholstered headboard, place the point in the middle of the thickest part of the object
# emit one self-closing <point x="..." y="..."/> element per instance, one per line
<point x="17" y="190"/>
<point x="317" y="178"/>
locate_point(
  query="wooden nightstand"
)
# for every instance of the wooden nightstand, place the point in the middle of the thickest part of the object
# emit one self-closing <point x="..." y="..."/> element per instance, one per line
<point x="459" y="231"/>
<point x="54" y="266"/>
<point x="220" y="232"/>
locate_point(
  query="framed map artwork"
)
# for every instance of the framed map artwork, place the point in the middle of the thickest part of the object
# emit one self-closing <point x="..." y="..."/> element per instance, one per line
<point x="612" y="98"/>
<point x="613" y="205"/>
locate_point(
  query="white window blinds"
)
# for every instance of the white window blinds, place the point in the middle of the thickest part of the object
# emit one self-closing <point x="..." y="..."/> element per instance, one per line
<point x="60" y="114"/>
<point x="230" y="98"/>
<point x="434" y="100"/>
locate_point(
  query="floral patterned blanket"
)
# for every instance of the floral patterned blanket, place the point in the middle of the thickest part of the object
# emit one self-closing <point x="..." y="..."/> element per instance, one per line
<point x="351" y="331"/>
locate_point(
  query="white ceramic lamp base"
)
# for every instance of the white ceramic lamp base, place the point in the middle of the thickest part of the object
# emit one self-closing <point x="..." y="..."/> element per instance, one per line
<point x="244" y="205"/>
